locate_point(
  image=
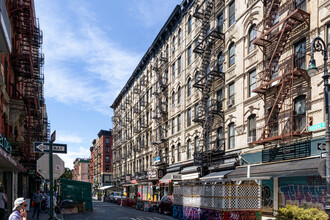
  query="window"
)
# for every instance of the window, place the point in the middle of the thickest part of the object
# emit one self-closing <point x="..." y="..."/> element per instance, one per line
<point x="179" y="65"/>
<point x="232" y="54"/>
<point x="196" y="144"/>
<point x="107" y="168"/>
<point x="173" y="126"/>
<point x="252" y="36"/>
<point x="231" y="13"/>
<point x="189" y="55"/>
<point x="196" y="111"/>
<point x="220" y="23"/>
<point x="179" y="123"/>
<point x="179" y="36"/>
<point x="300" y="54"/>
<point x="252" y="125"/>
<point x="328" y="36"/>
<point x="189" y="87"/>
<point x="173" y="156"/>
<point x="167" y="52"/>
<point x="301" y="4"/>
<point x="188" y="117"/>
<point x="220" y="138"/>
<point x="179" y="152"/>
<point x="173" y="71"/>
<point x="299" y="113"/>
<point x="173" y="99"/>
<point x="179" y="95"/>
<point x="189" y="150"/>
<point x="189" y="24"/>
<point x="147" y="162"/>
<point x="219" y="99"/>
<point x="107" y="159"/>
<point x="232" y="92"/>
<point x="231" y="132"/>
<point x="107" y="140"/>
<point x="220" y="62"/>
<point x="107" y="149"/>
<point x="252" y="82"/>
<point x="173" y="45"/>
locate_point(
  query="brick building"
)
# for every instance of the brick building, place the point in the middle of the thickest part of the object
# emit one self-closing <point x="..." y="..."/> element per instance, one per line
<point x="101" y="159"/>
<point x="81" y="170"/>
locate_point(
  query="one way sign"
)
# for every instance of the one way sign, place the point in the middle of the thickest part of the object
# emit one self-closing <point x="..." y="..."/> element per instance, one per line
<point x="44" y="148"/>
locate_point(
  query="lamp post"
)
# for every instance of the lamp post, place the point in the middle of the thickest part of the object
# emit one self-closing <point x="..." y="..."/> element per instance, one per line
<point x="319" y="46"/>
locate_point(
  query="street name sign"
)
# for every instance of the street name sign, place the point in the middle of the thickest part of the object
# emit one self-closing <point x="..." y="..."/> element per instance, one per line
<point x="44" y="148"/>
<point x="43" y="166"/>
<point x="317" y="126"/>
<point x="53" y="136"/>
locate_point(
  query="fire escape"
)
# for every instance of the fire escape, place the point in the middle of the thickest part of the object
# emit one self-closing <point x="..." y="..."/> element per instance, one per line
<point x="160" y="114"/>
<point x="280" y="76"/>
<point x="210" y="43"/>
<point x="27" y="61"/>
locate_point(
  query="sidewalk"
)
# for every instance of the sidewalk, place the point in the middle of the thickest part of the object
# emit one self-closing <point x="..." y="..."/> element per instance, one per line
<point x="42" y="215"/>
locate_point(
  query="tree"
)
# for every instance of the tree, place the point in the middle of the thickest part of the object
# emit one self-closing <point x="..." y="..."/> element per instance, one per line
<point x="67" y="174"/>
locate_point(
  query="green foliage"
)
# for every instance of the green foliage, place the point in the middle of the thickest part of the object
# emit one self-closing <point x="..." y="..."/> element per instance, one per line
<point x="292" y="212"/>
<point x="67" y="174"/>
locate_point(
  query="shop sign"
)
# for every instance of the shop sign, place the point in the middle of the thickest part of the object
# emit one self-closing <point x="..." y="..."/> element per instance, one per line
<point x="157" y="159"/>
<point x="155" y="174"/>
<point x="8" y="157"/>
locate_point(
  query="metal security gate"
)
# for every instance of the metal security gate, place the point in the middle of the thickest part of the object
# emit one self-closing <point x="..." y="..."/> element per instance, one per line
<point x="219" y="196"/>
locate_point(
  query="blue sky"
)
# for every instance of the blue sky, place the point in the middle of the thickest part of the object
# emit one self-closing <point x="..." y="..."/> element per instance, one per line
<point x="91" y="49"/>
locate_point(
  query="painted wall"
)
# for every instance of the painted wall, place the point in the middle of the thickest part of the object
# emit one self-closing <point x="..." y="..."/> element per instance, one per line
<point x="305" y="191"/>
<point x="194" y="213"/>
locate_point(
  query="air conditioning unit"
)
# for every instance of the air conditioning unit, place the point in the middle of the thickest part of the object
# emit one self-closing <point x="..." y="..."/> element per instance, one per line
<point x="230" y="102"/>
<point x="251" y="139"/>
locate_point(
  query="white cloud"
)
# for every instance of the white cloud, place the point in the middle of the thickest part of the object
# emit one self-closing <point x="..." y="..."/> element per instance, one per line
<point x="73" y="153"/>
<point x="83" y="66"/>
<point x="68" y="138"/>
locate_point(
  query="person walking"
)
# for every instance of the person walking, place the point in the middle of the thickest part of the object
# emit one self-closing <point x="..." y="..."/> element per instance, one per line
<point x="19" y="210"/>
<point x="3" y="201"/>
<point x="37" y="199"/>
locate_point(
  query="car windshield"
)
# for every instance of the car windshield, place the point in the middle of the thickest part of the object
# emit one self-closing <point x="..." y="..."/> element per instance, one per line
<point x="116" y="194"/>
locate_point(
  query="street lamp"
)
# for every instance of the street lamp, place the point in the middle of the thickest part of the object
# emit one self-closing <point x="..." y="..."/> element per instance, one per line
<point x="319" y="46"/>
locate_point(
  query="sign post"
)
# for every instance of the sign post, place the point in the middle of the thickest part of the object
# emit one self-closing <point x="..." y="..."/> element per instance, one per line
<point x="51" y="200"/>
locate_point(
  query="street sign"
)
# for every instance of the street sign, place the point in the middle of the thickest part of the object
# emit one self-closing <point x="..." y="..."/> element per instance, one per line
<point x="53" y="136"/>
<point x="44" y="148"/>
<point x="321" y="146"/>
<point x="322" y="168"/>
<point x="43" y="166"/>
<point x="157" y="159"/>
<point x="317" y="126"/>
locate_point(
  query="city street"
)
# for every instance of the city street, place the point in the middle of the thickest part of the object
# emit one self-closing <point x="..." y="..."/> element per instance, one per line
<point x="105" y="210"/>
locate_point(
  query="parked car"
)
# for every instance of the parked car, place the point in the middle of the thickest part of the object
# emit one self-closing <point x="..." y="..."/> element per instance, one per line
<point x="166" y="205"/>
<point x="114" y="196"/>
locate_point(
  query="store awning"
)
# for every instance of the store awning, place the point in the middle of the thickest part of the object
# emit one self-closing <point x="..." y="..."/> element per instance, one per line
<point x="191" y="169"/>
<point x="302" y="167"/>
<point x="8" y="163"/>
<point x="109" y="187"/>
<point x="216" y="176"/>
<point x="190" y="176"/>
<point x="131" y="183"/>
<point x="174" y="176"/>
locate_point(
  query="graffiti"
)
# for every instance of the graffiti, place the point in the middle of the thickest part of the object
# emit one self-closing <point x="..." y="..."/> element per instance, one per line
<point x="315" y="180"/>
<point x="178" y="212"/>
<point x="191" y="213"/>
<point x="300" y="195"/>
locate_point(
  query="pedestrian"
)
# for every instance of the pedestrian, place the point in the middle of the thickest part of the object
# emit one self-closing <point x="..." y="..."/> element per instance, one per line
<point x="19" y="210"/>
<point x="3" y="201"/>
<point x="37" y="199"/>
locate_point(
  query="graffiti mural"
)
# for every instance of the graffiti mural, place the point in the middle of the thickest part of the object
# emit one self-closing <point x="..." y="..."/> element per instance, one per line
<point x="303" y="191"/>
<point x="178" y="212"/>
<point x="191" y="213"/>
<point x="267" y="195"/>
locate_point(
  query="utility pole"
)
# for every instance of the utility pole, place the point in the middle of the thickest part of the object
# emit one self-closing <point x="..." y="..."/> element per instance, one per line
<point x="51" y="191"/>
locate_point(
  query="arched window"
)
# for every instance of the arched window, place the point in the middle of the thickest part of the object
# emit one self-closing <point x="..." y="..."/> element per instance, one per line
<point x="173" y="99"/>
<point x="189" y="150"/>
<point x="173" y="45"/>
<point x="167" y="52"/>
<point x="231" y="135"/>
<point x="220" y="62"/>
<point x="252" y="36"/>
<point x="196" y="144"/>
<point x="173" y="156"/>
<point x="231" y="54"/>
<point x="189" y="24"/>
<point x="179" y="36"/>
<point x="189" y="87"/>
<point x="179" y="95"/>
<point x="252" y="126"/>
<point x="179" y="152"/>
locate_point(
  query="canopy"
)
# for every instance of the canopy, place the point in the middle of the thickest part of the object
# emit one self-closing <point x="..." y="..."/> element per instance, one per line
<point x="169" y="177"/>
<point x="215" y="176"/>
<point x="109" y="187"/>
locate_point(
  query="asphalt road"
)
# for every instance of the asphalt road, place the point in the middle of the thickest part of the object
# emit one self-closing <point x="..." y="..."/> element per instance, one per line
<point x="106" y="210"/>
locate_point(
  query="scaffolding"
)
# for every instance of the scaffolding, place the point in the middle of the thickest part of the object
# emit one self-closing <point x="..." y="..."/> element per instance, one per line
<point x="209" y="43"/>
<point x="283" y="76"/>
<point x="27" y="61"/>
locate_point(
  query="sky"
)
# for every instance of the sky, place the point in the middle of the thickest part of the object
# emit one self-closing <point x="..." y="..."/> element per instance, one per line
<point x="91" y="48"/>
